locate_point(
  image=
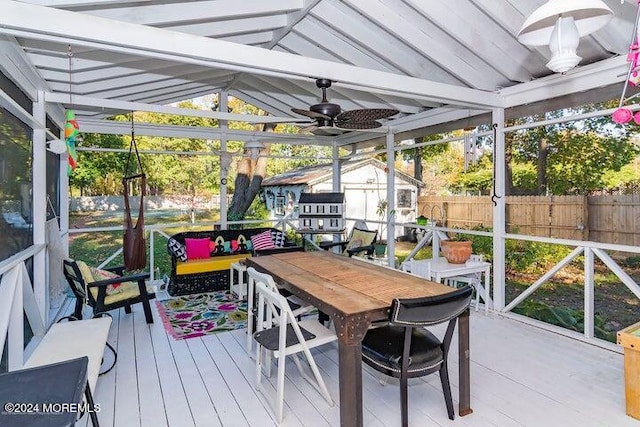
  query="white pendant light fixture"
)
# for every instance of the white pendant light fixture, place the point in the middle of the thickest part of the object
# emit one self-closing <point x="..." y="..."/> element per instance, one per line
<point x="560" y="24"/>
<point x="57" y="146"/>
<point x="254" y="147"/>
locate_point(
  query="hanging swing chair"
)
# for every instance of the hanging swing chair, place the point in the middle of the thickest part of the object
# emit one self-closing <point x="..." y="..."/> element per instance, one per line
<point x="133" y="242"/>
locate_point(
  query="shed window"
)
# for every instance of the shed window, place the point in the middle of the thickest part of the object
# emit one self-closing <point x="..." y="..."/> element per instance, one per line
<point x="404" y="198"/>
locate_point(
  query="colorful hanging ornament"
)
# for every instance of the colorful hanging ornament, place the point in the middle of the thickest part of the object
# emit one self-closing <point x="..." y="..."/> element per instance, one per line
<point x="624" y="114"/>
<point x="71" y="133"/>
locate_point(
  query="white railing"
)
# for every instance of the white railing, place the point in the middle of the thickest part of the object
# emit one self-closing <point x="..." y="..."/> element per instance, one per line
<point x="17" y="299"/>
<point x="590" y="250"/>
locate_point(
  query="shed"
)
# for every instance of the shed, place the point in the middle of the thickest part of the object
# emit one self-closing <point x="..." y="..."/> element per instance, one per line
<point x="364" y="184"/>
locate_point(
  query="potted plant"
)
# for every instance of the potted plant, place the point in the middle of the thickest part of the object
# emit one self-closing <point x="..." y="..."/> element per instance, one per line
<point x="457" y="250"/>
<point x="384" y="217"/>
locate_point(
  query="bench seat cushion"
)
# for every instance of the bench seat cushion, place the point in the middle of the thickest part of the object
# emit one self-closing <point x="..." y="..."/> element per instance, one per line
<point x="70" y="340"/>
<point x="217" y="263"/>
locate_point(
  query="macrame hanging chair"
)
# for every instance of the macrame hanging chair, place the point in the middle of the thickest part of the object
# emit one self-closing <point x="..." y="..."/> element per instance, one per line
<point x="133" y="242"/>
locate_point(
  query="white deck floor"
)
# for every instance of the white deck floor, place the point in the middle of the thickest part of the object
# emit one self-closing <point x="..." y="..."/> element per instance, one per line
<point x="521" y="376"/>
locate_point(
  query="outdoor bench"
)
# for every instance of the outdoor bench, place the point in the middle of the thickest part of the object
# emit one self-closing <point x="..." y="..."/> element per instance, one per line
<point x="207" y="272"/>
<point x="71" y="340"/>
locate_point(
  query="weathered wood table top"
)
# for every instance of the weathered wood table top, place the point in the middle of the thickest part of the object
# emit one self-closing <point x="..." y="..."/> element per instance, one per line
<point x="355" y="293"/>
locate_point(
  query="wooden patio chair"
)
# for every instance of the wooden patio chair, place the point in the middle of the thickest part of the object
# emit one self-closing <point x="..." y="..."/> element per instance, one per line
<point x="102" y="294"/>
<point x="405" y="349"/>
<point x="359" y="243"/>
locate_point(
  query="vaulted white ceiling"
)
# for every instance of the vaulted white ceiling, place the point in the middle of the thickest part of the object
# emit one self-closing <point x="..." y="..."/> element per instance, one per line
<point x="416" y="56"/>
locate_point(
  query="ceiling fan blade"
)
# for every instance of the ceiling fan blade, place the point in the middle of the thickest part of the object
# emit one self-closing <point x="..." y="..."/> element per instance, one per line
<point x="311" y="114"/>
<point x="365" y="115"/>
<point x="372" y="124"/>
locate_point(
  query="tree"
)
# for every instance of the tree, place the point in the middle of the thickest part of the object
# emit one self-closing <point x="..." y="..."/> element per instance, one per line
<point x="570" y="157"/>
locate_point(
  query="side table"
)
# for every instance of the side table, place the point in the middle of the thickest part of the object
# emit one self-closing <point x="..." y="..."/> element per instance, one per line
<point x="240" y="287"/>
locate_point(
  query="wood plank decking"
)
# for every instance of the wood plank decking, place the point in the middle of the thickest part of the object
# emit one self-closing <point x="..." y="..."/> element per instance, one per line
<point x="521" y="376"/>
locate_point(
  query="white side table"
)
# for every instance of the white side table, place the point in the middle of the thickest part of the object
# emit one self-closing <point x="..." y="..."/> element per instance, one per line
<point x="240" y="287"/>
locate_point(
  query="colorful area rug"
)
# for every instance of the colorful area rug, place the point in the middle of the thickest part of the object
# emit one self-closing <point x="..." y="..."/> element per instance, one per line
<point x="190" y="316"/>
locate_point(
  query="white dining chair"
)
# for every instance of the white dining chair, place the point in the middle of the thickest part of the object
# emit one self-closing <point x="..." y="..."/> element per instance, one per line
<point x="297" y="305"/>
<point x="280" y="334"/>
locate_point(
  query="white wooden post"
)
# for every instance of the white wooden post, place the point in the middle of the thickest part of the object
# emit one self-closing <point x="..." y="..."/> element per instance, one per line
<point x="39" y="206"/>
<point x="499" y="211"/>
<point x="223" y="102"/>
<point x="391" y="200"/>
<point x="336" y="182"/>
<point x="589" y="307"/>
<point x="64" y="197"/>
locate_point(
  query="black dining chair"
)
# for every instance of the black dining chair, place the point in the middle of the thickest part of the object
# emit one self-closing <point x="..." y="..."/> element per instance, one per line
<point x="405" y="349"/>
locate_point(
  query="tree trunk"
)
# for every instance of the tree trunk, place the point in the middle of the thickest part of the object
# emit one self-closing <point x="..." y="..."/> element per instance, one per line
<point x="247" y="184"/>
<point x="508" y="171"/>
<point x="543" y="152"/>
<point x="417" y="163"/>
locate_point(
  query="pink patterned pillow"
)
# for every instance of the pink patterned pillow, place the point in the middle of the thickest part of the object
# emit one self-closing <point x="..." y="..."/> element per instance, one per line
<point x="262" y="241"/>
<point x="197" y="248"/>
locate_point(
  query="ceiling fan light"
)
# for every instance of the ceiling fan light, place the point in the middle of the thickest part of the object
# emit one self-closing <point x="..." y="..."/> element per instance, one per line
<point x="563" y="45"/>
<point x="254" y="147"/>
<point x="588" y="15"/>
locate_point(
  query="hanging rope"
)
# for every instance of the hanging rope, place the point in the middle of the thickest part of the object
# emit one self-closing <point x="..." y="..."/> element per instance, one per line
<point x="133" y="243"/>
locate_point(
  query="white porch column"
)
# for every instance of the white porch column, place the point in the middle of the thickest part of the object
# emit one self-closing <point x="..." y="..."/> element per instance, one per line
<point x="39" y="204"/>
<point x="336" y="169"/>
<point x="335" y="179"/>
<point x="64" y="197"/>
<point x="223" y="106"/>
<point x="391" y="200"/>
<point x="499" y="211"/>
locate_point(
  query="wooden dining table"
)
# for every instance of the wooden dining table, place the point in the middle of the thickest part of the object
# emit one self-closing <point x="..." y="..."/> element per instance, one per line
<point x="355" y="293"/>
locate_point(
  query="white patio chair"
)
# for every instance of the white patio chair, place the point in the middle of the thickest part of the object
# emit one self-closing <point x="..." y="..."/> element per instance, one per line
<point x="298" y="306"/>
<point x="279" y="333"/>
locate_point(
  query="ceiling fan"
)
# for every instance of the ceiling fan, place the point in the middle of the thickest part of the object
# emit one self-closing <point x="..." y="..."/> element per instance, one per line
<point x="329" y="119"/>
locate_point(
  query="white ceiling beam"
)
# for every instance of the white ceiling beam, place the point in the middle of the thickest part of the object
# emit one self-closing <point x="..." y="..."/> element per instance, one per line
<point x="16" y="66"/>
<point x="258" y="99"/>
<point x="46" y="23"/>
<point x="356" y="30"/>
<point x="86" y="101"/>
<point x="231" y="27"/>
<point x="250" y="39"/>
<point x="579" y="79"/>
<point x="292" y="20"/>
<point x="112" y="127"/>
<point x="168" y="14"/>
<point x="82" y="3"/>
<point x="472" y="28"/>
<point x="429" y="41"/>
<point x="121" y="87"/>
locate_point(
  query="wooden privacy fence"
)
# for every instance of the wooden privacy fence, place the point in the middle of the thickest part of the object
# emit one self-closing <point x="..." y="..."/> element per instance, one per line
<point x="606" y="219"/>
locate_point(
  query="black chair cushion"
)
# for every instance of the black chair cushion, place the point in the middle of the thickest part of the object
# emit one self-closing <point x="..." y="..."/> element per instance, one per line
<point x="382" y="350"/>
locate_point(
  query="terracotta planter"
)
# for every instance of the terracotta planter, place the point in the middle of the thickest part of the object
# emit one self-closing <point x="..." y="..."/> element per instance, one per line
<point x="456" y="252"/>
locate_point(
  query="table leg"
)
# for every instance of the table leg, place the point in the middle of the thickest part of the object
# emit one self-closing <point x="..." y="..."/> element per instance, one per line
<point x="350" y="331"/>
<point x="350" y="370"/>
<point x="487" y="290"/>
<point x="464" y="374"/>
